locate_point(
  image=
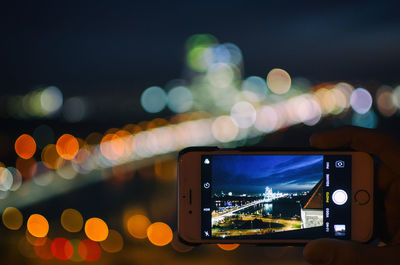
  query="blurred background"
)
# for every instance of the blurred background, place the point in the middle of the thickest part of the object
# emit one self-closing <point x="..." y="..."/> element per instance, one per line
<point x="97" y="98"/>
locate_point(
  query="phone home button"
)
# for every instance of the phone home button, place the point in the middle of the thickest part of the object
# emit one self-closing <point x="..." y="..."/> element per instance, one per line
<point x="362" y="197"/>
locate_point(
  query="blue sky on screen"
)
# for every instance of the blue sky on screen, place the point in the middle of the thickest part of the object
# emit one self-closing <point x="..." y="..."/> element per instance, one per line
<point x="250" y="174"/>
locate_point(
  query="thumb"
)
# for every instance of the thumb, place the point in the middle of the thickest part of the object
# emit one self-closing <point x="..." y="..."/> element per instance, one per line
<point x="339" y="252"/>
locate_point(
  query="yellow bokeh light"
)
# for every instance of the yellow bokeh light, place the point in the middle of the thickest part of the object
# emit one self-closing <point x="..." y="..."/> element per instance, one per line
<point x="96" y="229"/>
<point x="159" y="234"/>
<point x="228" y="247"/>
<point x="137" y="225"/>
<point x="71" y="220"/>
<point x="12" y="218"/>
<point x="38" y="225"/>
<point x="50" y="157"/>
<point x="279" y="81"/>
<point x="113" y="243"/>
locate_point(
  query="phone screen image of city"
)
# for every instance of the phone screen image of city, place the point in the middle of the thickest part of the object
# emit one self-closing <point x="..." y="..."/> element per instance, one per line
<point x="261" y="195"/>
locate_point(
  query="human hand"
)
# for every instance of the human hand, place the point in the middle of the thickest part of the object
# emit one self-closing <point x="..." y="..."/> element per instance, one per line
<point x="387" y="221"/>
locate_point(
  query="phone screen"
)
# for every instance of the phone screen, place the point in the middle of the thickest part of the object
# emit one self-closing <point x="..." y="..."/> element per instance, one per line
<point x="275" y="196"/>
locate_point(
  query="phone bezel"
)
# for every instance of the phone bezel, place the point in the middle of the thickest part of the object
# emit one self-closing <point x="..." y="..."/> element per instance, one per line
<point x="189" y="191"/>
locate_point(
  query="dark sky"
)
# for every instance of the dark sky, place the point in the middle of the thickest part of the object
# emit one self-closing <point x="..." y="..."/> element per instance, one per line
<point x="95" y="47"/>
<point x="251" y="173"/>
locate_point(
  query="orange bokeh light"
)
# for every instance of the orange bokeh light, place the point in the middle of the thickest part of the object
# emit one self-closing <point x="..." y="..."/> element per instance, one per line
<point x="89" y="250"/>
<point x="62" y="249"/>
<point x="38" y="225"/>
<point x="228" y="247"/>
<point x="50" y="157"/>
<point x="67" y="146"/>
<point x="25" y="146"/>
<point x="159" y="234"/>
<point x="137" y="226"/>
<point x="96" y="229"/>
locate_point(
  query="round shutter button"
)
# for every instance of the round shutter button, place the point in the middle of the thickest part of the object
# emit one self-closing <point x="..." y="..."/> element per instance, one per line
<point x="339" y="197"/>
<point x="362" y="197"/>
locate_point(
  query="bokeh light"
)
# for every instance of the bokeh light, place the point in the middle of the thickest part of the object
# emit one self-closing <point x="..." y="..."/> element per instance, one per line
<point x="153" y="99"/>
<point x="67" y="146"/>
<point x="278" y="81"/>
<point x="71" y="220"/>
<point x="17" y="178"/>
<point x="25" y="146"/>
<point x="6" y="179"/>
<point x="159" y="234"/>
<point x="89" y="250"/>
<point x="266" y="119"/>
<point x="196" y="47"/>
<point x="51" y="158"/>
<point x="221" y="75"/>
<point x="228" y="247"/>
<point x="224" y="129"/>
<point x="37" y="225"/>
<point x="62" y="249"/>
<point x="180" y="99"/>
<point x="114" y="242"/>
<point x="243" y="114"/>
<point x="255" y="88"/>
<point x="386" y="101"/>
<point x="96" y="229"/>
<point x="74" y="109"/>
<point x="361" y="100"/>
<point x="12" y="218"/>
<point x="137" y="226"/>
<point x="51" y="99"/>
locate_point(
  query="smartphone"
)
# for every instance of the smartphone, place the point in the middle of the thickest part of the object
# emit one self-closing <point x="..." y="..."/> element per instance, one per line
<point x="273" y="197"/>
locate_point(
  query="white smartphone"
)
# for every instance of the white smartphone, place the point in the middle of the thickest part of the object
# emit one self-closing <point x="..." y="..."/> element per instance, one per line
<point x="274" y="197"/>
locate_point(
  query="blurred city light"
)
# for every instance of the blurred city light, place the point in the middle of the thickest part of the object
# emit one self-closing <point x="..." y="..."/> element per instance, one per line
<point x="62" y="249"/>
<point x="12" y="218"/>
<point x="153" y="99"/>
<point x="137" y="226"/>
<point x="159" y="233"/>
<point x="361" y="100"/>
<point x="96" y="229"/>
<point x="71" y="220"/>
<point x="89" y="250"/>
<point x="279" y="81"/>
<point x="214" y="105"/>
<point x="25" y="146"/>
<point x="37" y="225"/>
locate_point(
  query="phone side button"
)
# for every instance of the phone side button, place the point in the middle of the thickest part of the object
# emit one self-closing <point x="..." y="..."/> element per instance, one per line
<point x="362" y="197"/>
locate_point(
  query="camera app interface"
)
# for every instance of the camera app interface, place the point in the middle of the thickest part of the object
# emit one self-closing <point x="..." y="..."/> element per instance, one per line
<point x="276" y="196"/>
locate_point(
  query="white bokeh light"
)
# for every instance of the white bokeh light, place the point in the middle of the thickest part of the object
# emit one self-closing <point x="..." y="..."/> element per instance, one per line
<point x="361" y="100"/>
<point x="180" y="99"/>
<point x="243" y="114"/>
<point x="153" y="99"/>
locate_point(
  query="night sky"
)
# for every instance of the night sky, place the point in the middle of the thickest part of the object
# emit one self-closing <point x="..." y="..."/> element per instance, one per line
<point x="250" y="174"/>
